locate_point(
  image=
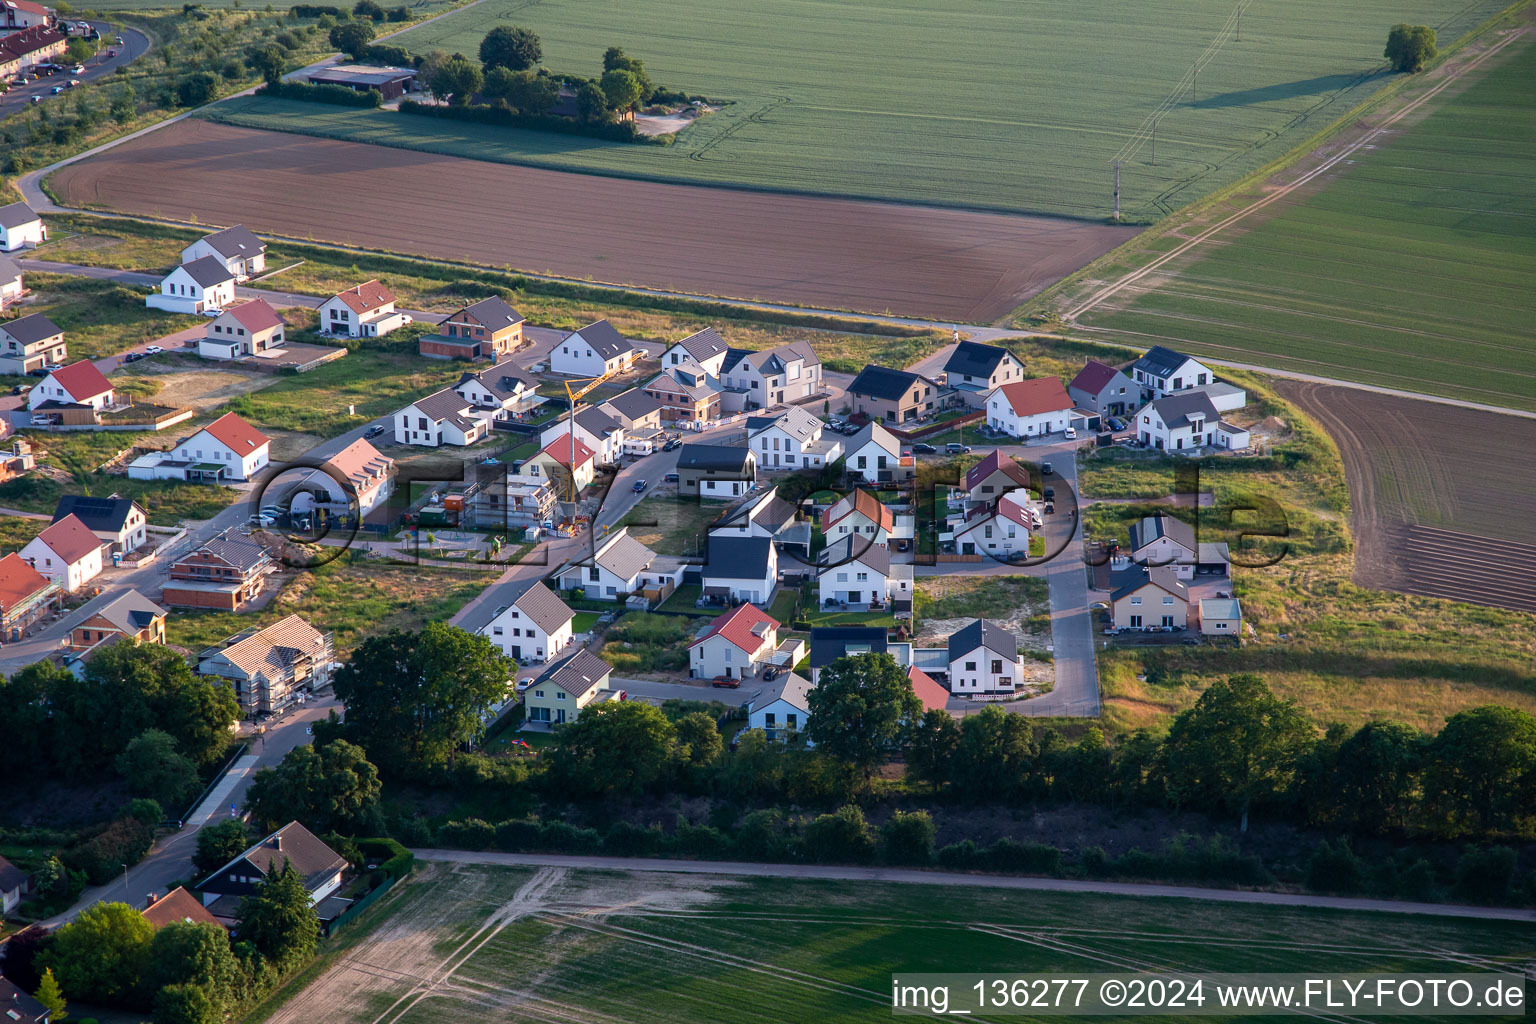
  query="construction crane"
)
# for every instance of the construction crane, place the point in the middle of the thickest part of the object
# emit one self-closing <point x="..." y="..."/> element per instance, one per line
<point x="574" y="396"/>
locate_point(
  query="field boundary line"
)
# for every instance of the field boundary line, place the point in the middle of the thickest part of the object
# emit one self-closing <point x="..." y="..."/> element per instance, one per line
<point x="917" y="876"/>
<point x="1370" y="137"/>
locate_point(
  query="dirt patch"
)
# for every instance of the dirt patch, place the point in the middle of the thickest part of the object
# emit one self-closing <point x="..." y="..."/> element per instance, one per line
<point x="756" y="245"/>
<point x="1444" y="500"/>
<point x="201" y="389"/>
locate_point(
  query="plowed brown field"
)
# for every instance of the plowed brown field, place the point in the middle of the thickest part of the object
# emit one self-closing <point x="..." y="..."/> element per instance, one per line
<point x="841" y="254"/>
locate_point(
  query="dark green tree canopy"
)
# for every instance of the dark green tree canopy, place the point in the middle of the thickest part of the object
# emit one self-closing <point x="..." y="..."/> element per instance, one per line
<point x="616" y="749"/>
<point x="154" y="768"/>
<point x="329" y="787"/>
<point x="278" y="920"/>
<point x="457" y="79"/>
<point x="591" y="104"/>
<point x="862" y="709"/>
<point x="1483" y="769"/>
<point x="352" y="38"/>
<point x="615" y="59"/>
<point x="1410" y="47"/>
<point x="100" y="955"/>
<point x="620" y="88"/>
<point x="218" y="844"/>
<point x="525" y="91"/>
<point x="511" y="47"/>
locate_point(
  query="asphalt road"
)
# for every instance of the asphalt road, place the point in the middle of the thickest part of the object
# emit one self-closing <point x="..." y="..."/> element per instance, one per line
<point x="135" y="45"/>
<point x="912" y="876"/>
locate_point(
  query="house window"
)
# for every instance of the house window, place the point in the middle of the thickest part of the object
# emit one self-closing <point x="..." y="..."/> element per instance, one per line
<point x="768" y="719"/>
<point x="1167" y="600"/>
<point x="1135" y="600"/>
<point x="997" y="666"/>
<point x="970" y="666"/>
<point x="538" y="693"/>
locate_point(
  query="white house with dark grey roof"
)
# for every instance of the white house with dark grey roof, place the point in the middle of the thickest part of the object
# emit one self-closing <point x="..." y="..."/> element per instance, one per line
<point x="706" y="348"/>
<point x="1099" y="387"/>
<point x="443" y="417"/>
<point x="1166" y="541"/>
<point x="362" y="311"/>
<point x="974" y="369"/>
<point x="740" y="568"/>
<point x="856" y="571"/>
<point x="294" y="846"/>
<point x="1187" y="421"/>
<point x="716" y="471"/>
<point x="782" y="375"/>
<point x="524" y="619"/>
<point x="29" y="343"/>
<point x="203" y="284"/>
<point x="241" y="253"/>
<point x="14" y="884"/>
<point x="20" y="227"/>
<point x="984" y="660"/>
<point x="1162" y="371"/>
<point x="639" y="412"/>
<point x="12" y="288"/>
<point x="791" y="440"/>
<point x="828" y="643"/>
<point x="875" y="454"/>
<point x="594" y="351"/>
<point x="781" y="708"/>
<point x="116" y="521"/>
<point x="765" y="515"/>
<point x="568" y="688"/>
<point x="620" y="565"/>
<point x="600" y="432"/>
<point x="504" y="389"/>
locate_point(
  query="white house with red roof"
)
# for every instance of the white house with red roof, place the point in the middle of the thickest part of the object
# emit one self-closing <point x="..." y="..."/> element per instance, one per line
<point x="557" y="460"/>
<point x="243" y="330"/>
<point x="1001" y="529"/>
<point x="76" y="384"/>
<point x="229" y="443"/>
<point x="734" y="645"/>
<point x="364" y="311"/>
<point x="860" y="515"/>
<point x="66" y="552"/>
<point x="1030" y="408"/>
<point x="928" y="690"/>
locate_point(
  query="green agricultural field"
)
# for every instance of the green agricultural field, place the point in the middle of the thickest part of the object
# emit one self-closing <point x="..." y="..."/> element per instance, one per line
<point x="548" y="944"/>
<point x="1412" y="269"/>
<point x="1009" y="106"/>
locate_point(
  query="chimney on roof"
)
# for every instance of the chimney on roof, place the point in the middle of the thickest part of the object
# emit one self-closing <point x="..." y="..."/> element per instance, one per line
<point x="152" y="899"/>
<point x="277" y="841"/>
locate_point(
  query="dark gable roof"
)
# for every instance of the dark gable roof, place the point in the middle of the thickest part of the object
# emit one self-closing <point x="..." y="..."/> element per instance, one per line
<point x="14" y="1000"/>
<point x="983" y="633"/>
<point x="128" y="610"/>
<point x="103" y="515"/>
<point x="597" y="421"/>
<point x="11" y="876"/>
<point x="540" y="604"/>
<point x="297" y="846"/>
<point x="15" y="215"/>
<point x="495" y="312"/>
<point x="633" y="404"/>
<point x="828" y="643"/>
<point x="701" y="345"/>
<point x="10" y="270"/>
<point x="605" y="341"/>
<point x="235" y="241"/>
<point x="974" y="359"/>
<point x="501" y="380"/>
<point x="1160" y="361"/>
<point x="1176" y="410"/>
<point x="446" y="404"/>
<point x="1093" y="377"/>
<point x="1160" y="575"/>
<point x="207" y="271"/>
<point x="856" y="549"/>
<point x="883" y="382"/>
<point x="31" y="329"/>
<point x="713" y="456"/>
<point x="1151" y="528"/>
<point x="238" y="550"/>
<point x="738" y="558"/>
<point x="576" y="674"/>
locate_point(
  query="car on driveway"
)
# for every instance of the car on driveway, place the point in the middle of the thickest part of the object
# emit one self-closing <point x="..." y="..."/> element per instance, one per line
<point x="1049" y="494"/>
<point x="1070" y="433"/>
<point x="670" y="478"/>
<point x="671" y="444"/>
<point x="374" y="431"/>
<point x="639" y="486"/>
<point x="726" y="684"/>
<point x="213" y="311"/>
<point x="918" y="448"/>
<point x="153" y="350"/>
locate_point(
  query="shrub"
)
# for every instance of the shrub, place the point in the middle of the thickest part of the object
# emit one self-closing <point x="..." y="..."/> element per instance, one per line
<point x="700" y="841"/>
<point x="760" y="836"/>
<point x="392" y="859"/>
<point x="567" y="838"/>
<point x="626" y="839"/>
<point x="1095" y="863"/>
<point x="840" y="837"/>
<point x="962" y="856"/>
<point x="1335" y="868"/>
<point x="620" y="131"/>
<point x="103" y="856"/>
<point x="336" y="95"/>
<point x="196" y="89"/>
<point x="469" y="834"/>
<point x="1031" y="858"/>
<point x="907" y="838"/>
<point x="1485" y="876"/>
<point x="383" y="53"/>
<point x="517" y="835"/>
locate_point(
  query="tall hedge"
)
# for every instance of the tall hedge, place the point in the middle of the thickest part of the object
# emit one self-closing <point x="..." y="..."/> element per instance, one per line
<point x="336" y="95"/>
<point x="620" y="131"/>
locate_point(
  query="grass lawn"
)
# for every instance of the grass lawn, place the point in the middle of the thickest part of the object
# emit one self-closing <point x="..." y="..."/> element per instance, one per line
<point x="1410" y="269"/>
<point x="165" y="502"/>
<point x="978" y="597"/>
<point x="100" y="318"/>
<point x="351" y="600"/>
<point x="582" y="622"/>
<point x="15" y="532"/>
<point x="783" y="606"/>
<point x="672" y="526"/>
<point x="682" y="600"/>
<point x="683" y="949"/>
<point x="879" y="98"/>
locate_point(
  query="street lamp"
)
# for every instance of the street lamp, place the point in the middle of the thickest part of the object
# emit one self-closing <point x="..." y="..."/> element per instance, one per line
<point x="125" y="878"/>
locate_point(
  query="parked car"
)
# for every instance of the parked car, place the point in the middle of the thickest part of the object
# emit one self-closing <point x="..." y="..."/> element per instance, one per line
<point x="20" y="389"/>
<point x="111" y="54"/>
<point x="37" y="99"/>
<point x="212" y="311"/>
<point x="52" y="367"/>
<point x="726" y="684"/>
<point x="153" y="350"/>
<point x="133" y="357"/>
<point x="639" y="486"/>
<point x="918" y="448"/>
<point x="1070" y="433"/>
<point x="524" y="683"/>
<point x="57" y="89"/>
<point x="1045" y="469"/>
<point x="670" y="478"/>
<point x="956" y="448"/>
<point x="374" y="431"/>
<point x="1049" y="494"/>
<point x="1115" y="423"/>
<point x="671" y="444"/>
<point x="261" y="520"/>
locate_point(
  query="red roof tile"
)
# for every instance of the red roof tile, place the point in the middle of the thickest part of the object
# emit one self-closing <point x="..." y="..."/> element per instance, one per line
<point x="366" y="297"/>
<point x="18" y="581"/>
<point x="931" y="693"/>
<point x="178" y="905"/>
<point x="1093" y="377"/>
<point x="255" y="316"/>
<point x="869" y="507"/>
<point x="560" y="450"/>
<point x="236" y="434"/>
<point x="70" y="539"/>
<point x="82" y="381"/>
<point x="1032" y="397"/>
<point x="737" y="626"/>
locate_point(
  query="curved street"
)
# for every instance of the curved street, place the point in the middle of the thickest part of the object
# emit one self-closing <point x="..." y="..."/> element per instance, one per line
<point x="135" y="45"/>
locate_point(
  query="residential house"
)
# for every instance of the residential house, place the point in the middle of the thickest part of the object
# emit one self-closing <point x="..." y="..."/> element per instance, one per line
<point x="875" y="454"/>
<point x="12" y="287"/>
<point x="292" y="846"/>
<point x="1162" y="372"/>
<point x="1103" y="389"/>
<point x="984" y="660"/>
<point x="620" y="565"/>
<point x="24" y="49"/>
<point x="1221" y="616"/>
<point x="782" y="708"/>
<point x="224" y="574"/>
<point x="118" y="522"/>
<point x="354" y="481"/>
<point x="1030" y="408"/>
<point x="1166" y="541"/>
<point x="687" y="394"/>
<point x="705" y="348"/>
<point x="488" y="329"/>
<point x="597" y="350"/>
<point x="892" y="396"/>
<point x="855" y="572"/>
<point x="25" y="597"/>
<point x="524" y="619"/>
<point x="782" y="375"/>
<point x="124" y="613"/>
<point x="14" y="884"/>
<point x="600" y="432"/>
<point x="736" y="644"/>
<point x="443" y="417"/>
<point x="228" y="448"/>
<point x="16" y="15"/>
<point x="766" y="515"/>
<point x="639" y="412"/>
<point x="568" y="688"/>
<point x="66" y="552"/>
<point x="177" y="907"/>
<point x="363" y="311"/>
<point x="567" y="463"/>
<point x="828" y="643"/>
<point x="740" y="568"/>
<point x="928" y="690"/>
<point x="20" y="227"/>
<point x="18" y="1007"/>
<point x="1187" y="421"/>
<point x="791" y="440"/>
<point x="994" y="476"/>
<point x="975" y="370"/>
<point x="29" y="343"/>
<point x="203" y="284"/>
<point x="499" y="499"/>
<point x="1001" y="529"/>
<point x="243" y="330"/>
<point x="240" y="252"/>
<point x="1224" y="397"/>
<point x="268" y="667"/>
<point x="78" y="384"/>
<point x="504" y="389"/>
<point x="715" y="470"/>
<point x="859" y="515"/>
<point x="1154" y="599"/>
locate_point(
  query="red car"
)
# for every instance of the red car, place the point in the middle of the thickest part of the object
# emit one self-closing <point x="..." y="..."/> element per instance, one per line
<point x="727" y="684"/>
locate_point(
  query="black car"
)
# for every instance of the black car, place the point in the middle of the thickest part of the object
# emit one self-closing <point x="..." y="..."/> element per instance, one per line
<point x="374" y="431"/>
<point x="671" y="444"/>
<point x="918" y="448"/>
<point x="1049" y="493"/>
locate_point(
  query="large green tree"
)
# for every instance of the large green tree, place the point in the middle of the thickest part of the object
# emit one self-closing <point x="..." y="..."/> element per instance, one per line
<point x="862" y="709"/>
<point x="512" y="47"/>
<point x="278" y="920"/>
<point x="615" y="59"/>
<point x="621" y="748"/>
<point x="524" y="91"/>
<point x="412" y="698"/>
<point x="27" y="752"/>
<point x="457" y="79"/>
<point x="218" y="844"/>
<point x="1410" y="47"/>
<point x="1237" y="745"/>
<point x="183" y="953"/>
<point x="100" y="955"/>
<point x="994" y="756"/>
<point x="329" y="787"/>
<point x="352" y="38"/>
<point x="51" y="996"/>
<point x="156" y="769"/>
<point x="591" y="104"/>
<point x="185" y="1004"/>
<point x="1376" y="775"/>
<point x="620" y="88"/>
<point x="1482" y="769"/>
<point x="931" y="746"/>
<point x="270" y="62"/>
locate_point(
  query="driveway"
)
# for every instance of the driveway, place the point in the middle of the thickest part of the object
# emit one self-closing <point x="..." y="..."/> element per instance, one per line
<point x="135" y="45"/>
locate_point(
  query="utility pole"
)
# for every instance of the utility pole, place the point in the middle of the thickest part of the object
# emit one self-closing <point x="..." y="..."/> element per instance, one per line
<point x="1117" y="190"/>
<point x="1239" y="23"/>
<point x="1194" y="83"/>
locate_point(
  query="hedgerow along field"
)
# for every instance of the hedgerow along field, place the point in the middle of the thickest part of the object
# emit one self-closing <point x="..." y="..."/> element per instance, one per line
<point x="1411" y="269"/>
<point x="461" y="942"/>
<point x="1011" y="106"/>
